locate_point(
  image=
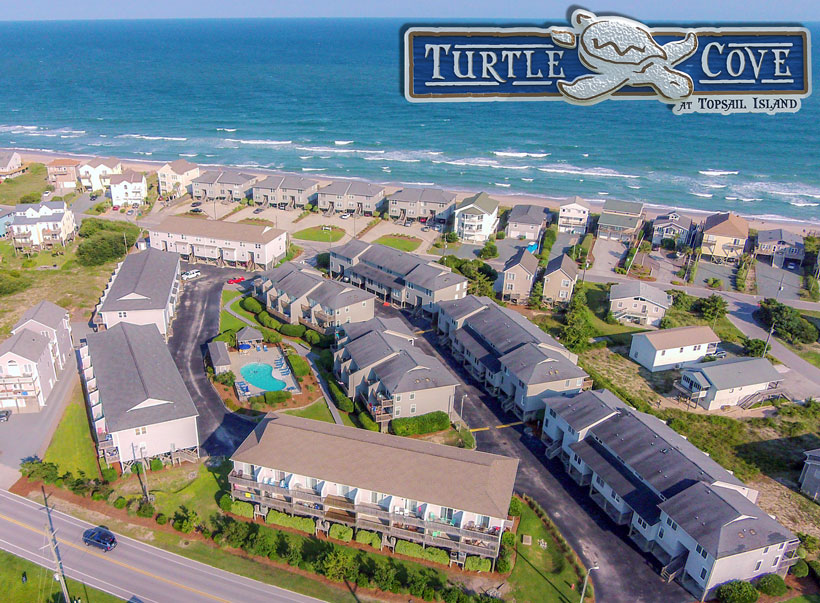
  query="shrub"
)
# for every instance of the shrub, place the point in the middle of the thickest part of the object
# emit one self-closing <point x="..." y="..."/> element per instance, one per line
<point x="366" y="422"/>
<point x="266" y="320"/>
<point x="800" y="569"/>
<point x="516" y="507"/>
<point x="411" y="549"/>
<point x="157" y="465"/>
<point x="508" y="539"/>
<point x="225" y="502"/>
<point x="120" y="503"/>
<point x="451" y="237"/>
<point x="788" y="323"/>
<point x="251" y="304"/>
<point x="489" y="251"/>
<point x="292" y="330"/>
<point x="477" y="564"/>
<point x="325" y="360"/>
<point x="504" y="563"/>
<point x="185" y="520"/>
<point x="772" y="585"/>
<point x="299" y="365"/>
<point x="303" y="524"/>
<point x="101" y="493"/>
<point x="279" y="397"/>
<point x="814" y="569"/>
<point x="340" y="532"/>
<point x="312" y="337"/>
<point x="226" y="378"/>
<point x="105" y="240"/>
<point x="40" y="471"/>
<point x="12" y="281"/>
<point x="109" y="475"/>
<point x="242" y="508"/>
<point x="270" y="336"/>
<point x="426" y="423"/>
<point x="371" y="538"/>
<point x="161" y="519"/>
<point x="342" y="402"/>
<point x="145" y="509"/>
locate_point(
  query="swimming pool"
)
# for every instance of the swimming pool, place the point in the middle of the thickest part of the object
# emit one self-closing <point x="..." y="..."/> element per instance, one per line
<point x="260" y="375"/>
<point x="532" y="247"/>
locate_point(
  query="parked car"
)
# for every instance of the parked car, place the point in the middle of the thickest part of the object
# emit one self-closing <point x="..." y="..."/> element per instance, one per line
<point x="116" y="208"/>
<point x="344" y="216"/>
<point x="190" y="275"/>
<point x="196" y="203"/>
<point x="792" y="265"/>
<point x="720" y="354"/>
<point x="236" y="280"/>
<point x="196" y="210"/>
<point x="4" y="415"/>
<point x="425" y="228"/>
<point x="93" y="197"/>
<point x="130" y="212"/>
<point x="259" y="210"/>
<point x="100" y="538"/>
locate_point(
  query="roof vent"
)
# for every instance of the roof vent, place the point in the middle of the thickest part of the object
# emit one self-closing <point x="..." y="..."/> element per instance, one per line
<point x="741" y="535"/>
<point x="752" y="531"/>
<point x="665" y="450"/>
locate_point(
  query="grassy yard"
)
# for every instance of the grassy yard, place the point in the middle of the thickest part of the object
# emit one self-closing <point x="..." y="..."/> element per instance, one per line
<point x="400" y="242"/>
<point x="597" y="301"/>
<point x="805" y="599"/>
<point x="540" y="574"/>
<point x="236" y="306"/>
<point x="723" y="328"/>
<point x="72" y="447"/>
<point x="227" y="321"/>
<point x="40" y="584"/>
<point x="318" y="233"/>
<point x="317" y="411"/>
<point x="613" y="364"/>
<point x="33" y="181"/>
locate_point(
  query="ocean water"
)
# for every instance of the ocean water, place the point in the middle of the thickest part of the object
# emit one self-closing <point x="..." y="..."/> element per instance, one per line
<point x="323" y="97"/>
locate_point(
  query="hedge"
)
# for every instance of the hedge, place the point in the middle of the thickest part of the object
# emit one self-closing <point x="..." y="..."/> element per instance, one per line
<point x="292" y="330"/>
<point x="303" y="524"/>
<point x="299" y="365"/>
<point x="814" y="569"/>
<point x="343" y="402"/>
<point x="477" y="564"/>
<point x="251" y="304"/>
<point x="411" y="549"/>
<point x="426" y="423"/>
<point x="371" y="538"/>
<point x="736" y="591"/>
<point x="270" y="398"/>
<point x="366" y="422"/>
<point x="312" y="337"/>
<point x="120" y="503"/>
<point x="799" y="569"/>
<point x="516" y="506"/>
<point x="266" y="320"/>
<point x="242" y="508"/>
<point x="340" y="532"/>
<point x="772" y="585"/>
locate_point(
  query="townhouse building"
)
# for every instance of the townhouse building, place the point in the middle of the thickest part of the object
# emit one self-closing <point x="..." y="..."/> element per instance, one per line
<point x="476" y="218"/>
<point x="223" y="185"/>
<point x="6" y="217"/>
<point x="351" y="196"/>
<point x="397" y="277"/>
<point x="673" y="226"/>
<point x="527" y="222"/>
<point x="421" y="204"/>
<point x="176" y="178"/>
<point x="780" y="246"/>
<point x="639" y="303"/>
<point x="620" y="220"/>
<point x="143" y="289"/>
<point x="138" y="403"/>
<point x="426" y="493"/>
<point x="39" y="226"/>
<point x="730" y="382"/>
<point x="693" y="516"/>
<point x="560" y="277"/>
<point x="724" y="237"/>
<point x="250" y="246"/>
<point x="285" y="192"/>
<point x="63" y="175"/>
<point x="518" y="276"/>
<point x="297" y="294"/>
<point x="95" y="174"/>
<point x="128" y="188"/>
<point x="673" y="348"/>
<point x="11" y="165"/>
<point x="54" y="323"/>
<point x="509" y="356"/>
<point x="573" y="216"/>
<point x="376" y="362"/>
<point x="810" y="474"/>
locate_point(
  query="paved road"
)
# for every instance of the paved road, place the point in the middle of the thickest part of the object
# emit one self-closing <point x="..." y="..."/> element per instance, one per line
<point x="134" y="571"/>
<point x="197" y="322"/>
<point x="625" y="574"/>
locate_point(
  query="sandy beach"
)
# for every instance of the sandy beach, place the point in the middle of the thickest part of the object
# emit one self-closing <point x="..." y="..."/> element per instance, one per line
<point x="651" y="210"/>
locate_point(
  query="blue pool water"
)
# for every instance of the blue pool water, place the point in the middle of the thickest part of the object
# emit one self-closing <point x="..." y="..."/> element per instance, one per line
<point x="532" y="247"/>
<point x="261" y="375"/>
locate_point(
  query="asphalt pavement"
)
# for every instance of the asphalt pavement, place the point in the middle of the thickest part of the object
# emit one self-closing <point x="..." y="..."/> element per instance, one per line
<point x="133" y="571"/>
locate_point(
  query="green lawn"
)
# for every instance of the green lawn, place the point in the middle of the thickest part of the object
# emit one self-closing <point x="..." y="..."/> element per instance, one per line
<point x="33" y="181"/>
<point x="317" y="411"/>
<point x="315" y="233"/>
<point x="723" y="327"/>
<point x="400" y="242"/>
<point x="227" y="321"/>
<point x="597" y="301"/>
<point x="40" y="584"/>
<point x="236" y="306"/>
<point x="540" y="574"/>
<point x="805" y="599"/>
<point x="72" y="447"/>
<point x="173" y="489"/>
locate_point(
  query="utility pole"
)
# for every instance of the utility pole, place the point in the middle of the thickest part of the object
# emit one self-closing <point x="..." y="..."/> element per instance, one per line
<point x="586" y="579"/>
<point x="51" y="534"/>
<point x="771" y="328"/>
<point x="461" y="414"/>
<point x="145" y="475"/>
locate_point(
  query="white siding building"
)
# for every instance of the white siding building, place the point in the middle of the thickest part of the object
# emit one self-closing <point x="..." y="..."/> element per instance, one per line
<point x="175" y="178"/>
<point x="38" y="226"/>
<point x="573" y="216"/>
<point x="128" y="188"/>
<point x="673" y="348"/>
<point x="96" y="173"/>
<point x="731" y="382"/>
<point x="476" y="218"/>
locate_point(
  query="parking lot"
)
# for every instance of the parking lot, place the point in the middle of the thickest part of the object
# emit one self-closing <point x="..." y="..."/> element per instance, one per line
<point x="607" y="256"/>
<point x="707" y="270"/>
<point x="769" y="279"/>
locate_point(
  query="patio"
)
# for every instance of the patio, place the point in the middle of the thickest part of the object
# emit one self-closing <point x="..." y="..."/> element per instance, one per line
<point x="263" y="354"/>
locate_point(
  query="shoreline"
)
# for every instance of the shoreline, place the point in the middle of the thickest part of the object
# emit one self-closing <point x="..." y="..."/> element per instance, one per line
<point x="651" y="210"/>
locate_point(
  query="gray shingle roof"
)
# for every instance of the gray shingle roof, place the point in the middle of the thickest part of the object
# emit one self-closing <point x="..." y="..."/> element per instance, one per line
<point x="458" y="308"/>
<point x="383" y="325"/>
<point x="736" y="372"/>
<point x="384" y="263"/>
<point x="294" y="280"/>
<point x="587" y="408"/>
<point x="474" y="344"/>
<point x="46" y="313"/>
<point x="482" y="201"/>
<point x="231" y="177"/>
<point x="144" y="282"/>
<point x="427" y="195"/>
<point x="535" y="364"/>
<point x="181" y="166"/>
<point x="623" y="207"/>
<point x="353" y="187"/>
<point x="133" y="366"/>
<point x="285" y="183"/>
<point x="353" y="248"/>
<point x="248" y="334"/>
<point x="218" y="351"/>
<point x="412" y="370"/>
<point x="619" y="221"/>
<point x="673" y="219"/>
<point x="506" y="329"/>
<point x="335" y="295"/>
<point x="632" y="289"/>
<point x="564" y="263"/>
<point x="778" y="235"/>
<point x="524" y="259"/>
<point x="528" y="214"/>
<point x="575" y="200"/>
<point x="372" y="347"/>
<point x="26" y="344"/>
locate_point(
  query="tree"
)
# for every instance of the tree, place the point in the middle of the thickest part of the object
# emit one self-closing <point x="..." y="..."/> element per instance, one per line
<point x="713" y="308"/>
<point x="251" y="304"/>
<point x="489" y="251"/>
<point x="339" y="565"/>
<point x="536" y="295"/>
<point x="737" y="591"/>
<point x="481" y="286"/>
<point x="753" y="347"/>
<point x="788" y="323"/>
<point x="451" y="237"/>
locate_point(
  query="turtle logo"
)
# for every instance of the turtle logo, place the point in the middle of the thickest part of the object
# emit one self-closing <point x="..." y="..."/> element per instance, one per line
<point x="622" y="52"/>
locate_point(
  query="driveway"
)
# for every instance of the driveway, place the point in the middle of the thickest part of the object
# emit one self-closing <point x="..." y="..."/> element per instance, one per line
<point x="667" y="269"/>
<point x="607" y="256"/>
<point x="563" y="242"/>
<point x="197" y="322"/>
<point x="625" y="574"/>
<point x="769" y="279"/>
<point x="80" y="205"/>
<point x="724" y="272"/>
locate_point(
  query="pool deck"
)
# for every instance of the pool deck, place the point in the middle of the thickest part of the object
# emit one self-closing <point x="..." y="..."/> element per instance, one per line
<point x="238" y="360"/>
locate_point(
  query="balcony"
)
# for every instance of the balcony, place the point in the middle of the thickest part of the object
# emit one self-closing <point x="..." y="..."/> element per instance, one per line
<point x="414" y="535"/>
<point x="304" y="495"/>
<point x="687" y="393"/>
<point x="339" y="502"/>
<point x="372" y="510"/>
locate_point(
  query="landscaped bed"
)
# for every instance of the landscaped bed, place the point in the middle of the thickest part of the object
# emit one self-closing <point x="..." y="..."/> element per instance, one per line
<point x="399" y="241"/>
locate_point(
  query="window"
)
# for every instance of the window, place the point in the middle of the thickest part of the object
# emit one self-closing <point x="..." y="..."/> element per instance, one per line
<point x="776" y="559"/>
<point x="782" y="544"/>
<point x="598" y="480"/>
<point x="642" y="523"/>
<point x="703" y="573"/>
<point x="661" y="533"/>
<point x="757" y="565"/>
<point x="552" y="413"/>
<point x="312" y="483"/>
<point x="412" y="409"/>
<point x="766" y="550"/>
<point x="671" y="523"/>
<point x="412" y="395"/>
<point x="376" y="497"/>
<point x="397" y="411"/>
<point x="139" y="431"/>
<point x="122" y="314"/>
<point x="701" y="551"/>
<point x="397" y="397"/>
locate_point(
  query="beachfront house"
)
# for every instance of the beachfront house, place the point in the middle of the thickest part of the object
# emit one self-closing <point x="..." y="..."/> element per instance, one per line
<point x="285" y="192"/>
<point x="639" y="303"/>
<point x="673" y="227"/>
<point x="6" y="218"/>
<point x="433" y="495"/>
<point x="476" y="218"/>
<point x="138" y="403"/>
<point x="11" y="165"/>
<point x="527" y="222"/>
<point x="573" y="216"/>
<point x="223" y="185"/>
<point x="95" y="173"/>
<point x="620" y="220"/>
<point x="39" y="226"/>
<point x="693" y="516"/>
<point x="673" y="348"/>
<point x="724" y="237"/>
<point x="62" y="175"/>
<point x="780" y="246"/>
<point x="421" y="204"/>
<point x="810" y="475"/>
<point x="518" y="276"/>
<point x="176" y="178"/>
<point x="351" y="197"/>
<point x="298" y="294"/>
<point x="251" y="246"/>
<point x="560" y="276"/>
<point x="143" y="289"/>
<point x="730" y="382"/>
<point x="128" y="188"/>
